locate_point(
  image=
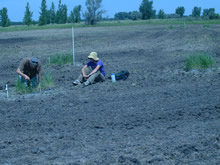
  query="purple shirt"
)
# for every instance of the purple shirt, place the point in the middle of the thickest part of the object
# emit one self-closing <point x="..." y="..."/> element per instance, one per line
<point x="94" y="65"/>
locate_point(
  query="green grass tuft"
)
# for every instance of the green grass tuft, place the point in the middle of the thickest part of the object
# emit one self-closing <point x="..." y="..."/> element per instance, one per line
<point x="199" y="61"/>
<point x="47" y="81"/>
<point x="170" y="26"/>
<point x="62" y="59"/>
<point x="206" y="25"/>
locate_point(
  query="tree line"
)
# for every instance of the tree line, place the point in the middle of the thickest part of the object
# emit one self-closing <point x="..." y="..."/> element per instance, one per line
<point x="146" y="11"/>
<point x="94" y="13"/>
<point x="51" y="15"/>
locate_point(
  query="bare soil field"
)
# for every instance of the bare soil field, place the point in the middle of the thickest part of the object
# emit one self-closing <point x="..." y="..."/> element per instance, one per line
<point x="160" y="115"/>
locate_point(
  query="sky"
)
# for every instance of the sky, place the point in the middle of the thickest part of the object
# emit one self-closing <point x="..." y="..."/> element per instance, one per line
<point x="16" y="8"/>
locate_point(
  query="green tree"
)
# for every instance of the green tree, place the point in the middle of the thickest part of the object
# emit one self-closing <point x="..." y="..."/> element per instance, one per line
<point x="58" y="13"/>
<point x="5" y="21"/>
<point x="205" y="13"/>
<point x="94" y="12"/>
<point x="28" y="15"/>
<point x="134" y="15"/>
<point x="146" y="8"/>
<point x="196" y="12"/>
<point x="161" y="14"/>
<point x="61" y="15"/>
<point x="180" y="11"/>
<point x="52" y="13"/>
<point x="43" y="14"/>
<point x="121" y="15"/>
<point x="210" y="13"/>
<point x="75" y="16"/>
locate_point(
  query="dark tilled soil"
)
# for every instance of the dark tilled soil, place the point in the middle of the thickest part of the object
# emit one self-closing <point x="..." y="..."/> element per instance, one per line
<point x="159" y="115"/>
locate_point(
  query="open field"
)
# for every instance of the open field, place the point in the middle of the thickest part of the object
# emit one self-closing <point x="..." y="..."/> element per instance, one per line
<point x="159" y="115"/>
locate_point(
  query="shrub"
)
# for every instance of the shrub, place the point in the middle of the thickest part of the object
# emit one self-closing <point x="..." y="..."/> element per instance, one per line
<point x="199" y="61"/>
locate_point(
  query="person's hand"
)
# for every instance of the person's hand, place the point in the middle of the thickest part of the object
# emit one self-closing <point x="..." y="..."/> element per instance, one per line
<point x="26" y="77"/>
<point x="85" y="76"/>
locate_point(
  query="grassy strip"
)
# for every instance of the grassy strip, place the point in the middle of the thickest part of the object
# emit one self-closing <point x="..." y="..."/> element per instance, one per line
<point x="199" y="61"/>
<point x="113" y="23"/>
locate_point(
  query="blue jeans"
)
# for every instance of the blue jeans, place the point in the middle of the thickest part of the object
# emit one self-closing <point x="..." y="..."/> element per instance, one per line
<point x="32" y="83"/>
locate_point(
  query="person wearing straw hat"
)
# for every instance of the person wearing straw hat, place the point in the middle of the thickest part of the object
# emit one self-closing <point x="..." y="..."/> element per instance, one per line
<point x="29" y="72"/>
<point x="92" y="72"/>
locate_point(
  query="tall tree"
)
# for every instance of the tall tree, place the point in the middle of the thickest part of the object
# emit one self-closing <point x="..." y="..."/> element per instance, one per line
<point x="94" y="11"/>
<point x="75" y="16"/>
<point x="146" y="8"/>
<point x="43" y="14"/>
<point x="196" y="12"/>
<point x="210" y="13"/>
<point x="61" y="15"/>
<point x="52" y="13"/>
<point x="5" y="21"/>
<point x="180" y="11"/>
<point x="28" y="15"/>
<point x="58" y="13"/>
<point x="161" y="14"/>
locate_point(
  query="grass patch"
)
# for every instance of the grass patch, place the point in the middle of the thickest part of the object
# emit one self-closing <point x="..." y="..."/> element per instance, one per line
<point x="199" y="61"/>
<point x="61" y="59"/>
<point x="206" y="25"/>
<point x="22" y="89"/>
<point x="171" y="27"/>
<point x="46" y="83"/>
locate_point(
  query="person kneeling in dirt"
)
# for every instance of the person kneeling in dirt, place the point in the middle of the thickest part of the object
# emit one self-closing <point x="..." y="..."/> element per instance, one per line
<point x="91" y="72"/>
<point x="29" y="72"/>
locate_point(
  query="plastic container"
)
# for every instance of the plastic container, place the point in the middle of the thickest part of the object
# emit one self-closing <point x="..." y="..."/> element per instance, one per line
<point x="113" y="77"/>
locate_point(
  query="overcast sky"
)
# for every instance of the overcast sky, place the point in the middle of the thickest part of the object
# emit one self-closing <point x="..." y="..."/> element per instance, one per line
<point x="16" y="8"/>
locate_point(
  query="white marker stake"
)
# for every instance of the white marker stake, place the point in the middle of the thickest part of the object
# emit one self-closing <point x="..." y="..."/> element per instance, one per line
<point x="49" y="60"/>
<point x="74" y="63"/>
<point x="6" y="88"/>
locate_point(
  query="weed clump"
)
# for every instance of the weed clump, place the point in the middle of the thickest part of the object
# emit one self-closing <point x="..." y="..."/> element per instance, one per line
<point x="61" y="59"/>
<point x="199" y="61"/>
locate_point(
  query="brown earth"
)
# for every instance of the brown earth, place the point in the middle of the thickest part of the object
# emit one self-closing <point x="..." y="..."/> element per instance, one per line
<point x="159" y="115"/>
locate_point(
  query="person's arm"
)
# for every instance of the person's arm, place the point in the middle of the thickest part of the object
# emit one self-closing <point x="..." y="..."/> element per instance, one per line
<point x="83" y="71"/>
<point x="22" y="74"/>
<point x="94" y="70"/>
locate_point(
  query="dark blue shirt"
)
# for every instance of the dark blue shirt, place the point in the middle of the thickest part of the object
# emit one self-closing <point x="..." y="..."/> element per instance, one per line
<point x="94" y="65"/>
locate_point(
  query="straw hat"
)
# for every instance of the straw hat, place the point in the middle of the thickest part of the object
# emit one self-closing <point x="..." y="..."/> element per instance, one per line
<point x="93" y="55"/>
